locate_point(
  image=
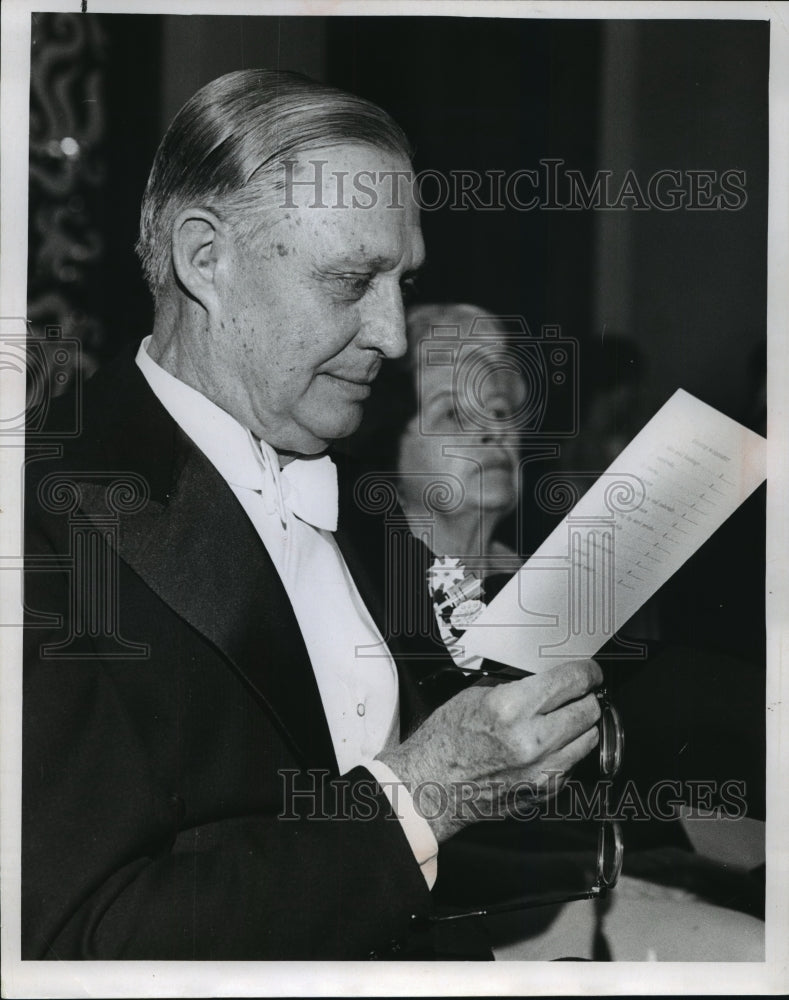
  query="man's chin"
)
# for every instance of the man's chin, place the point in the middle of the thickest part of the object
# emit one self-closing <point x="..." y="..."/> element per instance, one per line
<point x="342" y="432"/>
<point x="320" y="434"/>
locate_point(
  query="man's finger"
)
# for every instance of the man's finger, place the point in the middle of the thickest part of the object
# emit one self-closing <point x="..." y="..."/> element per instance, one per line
<point x="571" y="753"/>
<point x="567" y="682"/>
<point x="533" y="697"/>
<point x="566" y="724"/>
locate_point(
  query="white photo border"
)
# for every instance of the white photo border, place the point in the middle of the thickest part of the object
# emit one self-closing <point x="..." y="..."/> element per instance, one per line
<point x="203" y="979"/>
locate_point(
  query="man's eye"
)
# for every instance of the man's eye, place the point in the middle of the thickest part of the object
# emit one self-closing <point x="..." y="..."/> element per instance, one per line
<point x="355" y="285"/>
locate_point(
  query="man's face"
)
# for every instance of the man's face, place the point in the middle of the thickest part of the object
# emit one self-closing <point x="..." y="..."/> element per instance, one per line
<point x="308" y="312"/>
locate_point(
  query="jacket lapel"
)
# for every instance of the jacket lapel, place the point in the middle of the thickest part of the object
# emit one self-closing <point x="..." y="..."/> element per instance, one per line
<point x="194" y="546"/>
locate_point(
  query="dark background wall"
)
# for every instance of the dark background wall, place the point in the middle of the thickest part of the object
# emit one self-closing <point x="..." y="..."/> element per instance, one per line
<point x="480" y="94"/>
<point x="689" y="285"/>
<point x="500" y="94"/>
<point x="686" y="289"/>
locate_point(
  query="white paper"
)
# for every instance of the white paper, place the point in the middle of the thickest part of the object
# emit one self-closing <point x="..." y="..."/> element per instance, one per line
<point x="658" y="502"/>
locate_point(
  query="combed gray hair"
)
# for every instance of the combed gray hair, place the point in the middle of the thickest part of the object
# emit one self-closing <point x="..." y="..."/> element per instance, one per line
<point x="224" y="151"/>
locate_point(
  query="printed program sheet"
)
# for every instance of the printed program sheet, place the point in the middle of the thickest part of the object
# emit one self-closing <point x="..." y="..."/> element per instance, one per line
<point x="658" y="502"/>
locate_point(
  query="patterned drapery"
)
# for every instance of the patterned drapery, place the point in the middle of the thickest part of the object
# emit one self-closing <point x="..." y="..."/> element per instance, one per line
<point x="67" y="183"/>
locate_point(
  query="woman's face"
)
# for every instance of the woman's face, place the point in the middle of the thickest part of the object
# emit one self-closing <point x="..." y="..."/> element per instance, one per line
<point x="464" y="429"/>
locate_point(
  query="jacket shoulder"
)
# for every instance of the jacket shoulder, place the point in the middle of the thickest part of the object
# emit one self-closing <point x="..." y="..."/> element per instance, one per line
<point x="112" y="422"/>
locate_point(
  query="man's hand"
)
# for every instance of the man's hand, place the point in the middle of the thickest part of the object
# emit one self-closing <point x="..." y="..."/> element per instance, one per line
<point x="487" y="742"/>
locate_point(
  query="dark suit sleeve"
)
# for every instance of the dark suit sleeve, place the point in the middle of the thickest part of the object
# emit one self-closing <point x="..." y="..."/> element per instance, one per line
<point x="156" y="817"/>
<point x="254" y="887"/>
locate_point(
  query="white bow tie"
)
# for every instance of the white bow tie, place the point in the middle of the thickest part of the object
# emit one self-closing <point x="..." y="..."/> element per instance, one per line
<point x="306" y="487"/>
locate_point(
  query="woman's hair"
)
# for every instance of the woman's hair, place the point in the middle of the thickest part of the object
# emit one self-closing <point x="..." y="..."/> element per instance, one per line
<point x="226" y="148"/>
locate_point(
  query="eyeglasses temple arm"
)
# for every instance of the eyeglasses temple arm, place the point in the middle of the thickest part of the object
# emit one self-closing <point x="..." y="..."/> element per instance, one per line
<point x="597" y="892"/>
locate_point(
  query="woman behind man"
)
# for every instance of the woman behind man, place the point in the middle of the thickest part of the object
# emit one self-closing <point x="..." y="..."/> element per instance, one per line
<point x="467" y="397"/>
<point x="446" y="425"/>
<point x="443" y="425"/>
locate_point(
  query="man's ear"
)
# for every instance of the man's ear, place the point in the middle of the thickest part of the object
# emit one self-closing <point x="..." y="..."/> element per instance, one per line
<point x="197" y="242"/>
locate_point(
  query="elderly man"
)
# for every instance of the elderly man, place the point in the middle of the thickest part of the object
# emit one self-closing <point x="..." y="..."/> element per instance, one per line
<point x="212" y="766"/>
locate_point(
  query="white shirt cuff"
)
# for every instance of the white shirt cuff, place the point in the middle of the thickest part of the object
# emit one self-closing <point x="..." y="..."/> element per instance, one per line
<point x="415" y="827"/>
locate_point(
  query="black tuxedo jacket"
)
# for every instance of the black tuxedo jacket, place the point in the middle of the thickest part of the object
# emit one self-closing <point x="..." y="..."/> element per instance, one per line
<point x="169" y="704"/>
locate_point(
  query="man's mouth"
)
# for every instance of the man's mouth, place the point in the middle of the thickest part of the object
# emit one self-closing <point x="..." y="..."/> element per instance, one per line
<point x="355" y="380"/>
<point x="357" y="385"/>
<point x="363" y="379"/>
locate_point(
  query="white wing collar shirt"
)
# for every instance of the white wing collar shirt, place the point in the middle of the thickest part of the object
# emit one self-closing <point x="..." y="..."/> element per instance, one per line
<point x="294" y="511"/>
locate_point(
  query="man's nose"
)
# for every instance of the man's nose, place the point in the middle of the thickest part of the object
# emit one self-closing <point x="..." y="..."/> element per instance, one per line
<point x="383" y="322"/>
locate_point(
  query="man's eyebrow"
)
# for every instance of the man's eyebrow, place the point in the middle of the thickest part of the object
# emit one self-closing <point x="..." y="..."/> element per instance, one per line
<point x="380" y="262"/>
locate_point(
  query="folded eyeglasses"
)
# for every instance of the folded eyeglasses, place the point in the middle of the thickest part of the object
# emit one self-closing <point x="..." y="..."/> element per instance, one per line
<point x="610" y="848"/>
